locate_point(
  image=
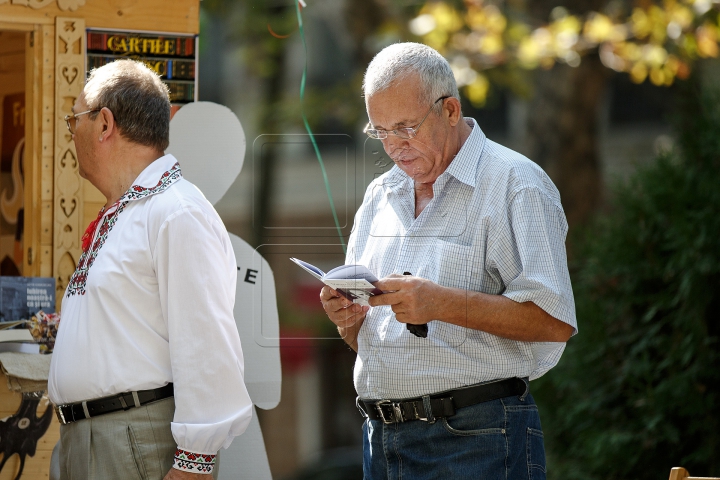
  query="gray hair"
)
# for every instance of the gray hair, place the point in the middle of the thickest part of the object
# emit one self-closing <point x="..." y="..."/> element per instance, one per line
<point x="400" y="60"/>
<point x="138" y="99"/>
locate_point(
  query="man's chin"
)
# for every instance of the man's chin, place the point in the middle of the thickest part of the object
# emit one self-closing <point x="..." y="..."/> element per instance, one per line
<point x="408" y="166"/>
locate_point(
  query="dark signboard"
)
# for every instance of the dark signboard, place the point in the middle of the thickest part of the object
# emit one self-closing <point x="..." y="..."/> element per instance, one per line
<point x="22" y="297"/>
<point x="172" y="56"/>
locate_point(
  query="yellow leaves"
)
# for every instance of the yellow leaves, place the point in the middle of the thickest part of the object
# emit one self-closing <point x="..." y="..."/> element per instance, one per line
<point x="662" y="77"/>
<point x="423" y="24"/>
<point x="659" y="22"/>
<point x="544" y="45"/>
<point x="491" y="44"/>
<point x="638" y="73"/>
<point x="599" y="28"/>
<point x="435" y="23"/>
<point x="656" y="23"/>
<point x="488" y="18"/>
<point x="565" y="33"/>
<point x="446" y="18"/>
<point x="707" y="40"/>
<point x="653" y="55"/>
<point x="656" y="42"/>
<point x="535" y="48"/>
<point x="437" y="39"/>
<point x="652" y="23"/>
<point x="681" y="15"/>
<point x="642" y="62"/>
<point x="566" y="30"/>
<point x="477" y="91"/>
<point x="529" y="53"/>
<point x="438" y="21"/>
<point x="640" y="23"/>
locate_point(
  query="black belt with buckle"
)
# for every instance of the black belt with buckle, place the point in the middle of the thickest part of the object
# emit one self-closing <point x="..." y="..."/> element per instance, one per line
<point x="443" y="404"/>
<point x="73" y="412"/>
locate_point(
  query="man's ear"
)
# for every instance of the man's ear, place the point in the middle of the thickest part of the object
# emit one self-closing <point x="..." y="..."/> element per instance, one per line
<point x="452" y="109"/>
<point x="107" y="123"/>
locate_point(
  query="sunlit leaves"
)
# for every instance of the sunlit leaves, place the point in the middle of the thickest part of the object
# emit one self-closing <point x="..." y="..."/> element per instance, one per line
<point x="654" y="41"/>
<point x="707" y="40"/>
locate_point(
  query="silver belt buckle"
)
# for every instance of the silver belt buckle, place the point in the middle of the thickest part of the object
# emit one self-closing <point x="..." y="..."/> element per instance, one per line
<point x="397" y="412"/>
<point x="59" y="413"/>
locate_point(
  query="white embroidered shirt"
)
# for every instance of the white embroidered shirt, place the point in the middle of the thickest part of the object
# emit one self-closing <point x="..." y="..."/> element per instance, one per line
<point x="151" y="302"/>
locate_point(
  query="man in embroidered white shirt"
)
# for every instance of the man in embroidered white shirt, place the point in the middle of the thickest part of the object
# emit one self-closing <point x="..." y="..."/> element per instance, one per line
<point x="468" y="239"/>
<point x="147" y="371"/>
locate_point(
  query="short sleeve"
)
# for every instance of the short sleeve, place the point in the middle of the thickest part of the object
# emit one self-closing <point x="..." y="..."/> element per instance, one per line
<point x="529" y="254"/>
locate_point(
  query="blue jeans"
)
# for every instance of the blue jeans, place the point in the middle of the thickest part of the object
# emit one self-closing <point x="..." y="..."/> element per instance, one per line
<point x="500" y="439"/>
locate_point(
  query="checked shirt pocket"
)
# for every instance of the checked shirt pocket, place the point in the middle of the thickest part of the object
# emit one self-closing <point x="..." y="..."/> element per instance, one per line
<point x="453" y="264"/>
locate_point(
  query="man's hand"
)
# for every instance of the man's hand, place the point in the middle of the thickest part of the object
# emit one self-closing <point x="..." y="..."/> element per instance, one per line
<point x="413" y="299"/>
<point x="346" y="315"/>
<point x="175" y="474"/>
<point x="341" y="311"/>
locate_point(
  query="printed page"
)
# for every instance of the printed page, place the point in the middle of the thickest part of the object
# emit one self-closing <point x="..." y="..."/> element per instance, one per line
<point x="311" y="269"/>
<point x="355" y="272"/>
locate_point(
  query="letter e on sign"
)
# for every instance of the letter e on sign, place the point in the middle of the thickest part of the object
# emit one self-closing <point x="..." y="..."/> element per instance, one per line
<point x="251" y="275"/>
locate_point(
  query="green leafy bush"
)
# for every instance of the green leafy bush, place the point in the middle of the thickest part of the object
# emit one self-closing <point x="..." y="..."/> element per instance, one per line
<point x="638" y="390"/>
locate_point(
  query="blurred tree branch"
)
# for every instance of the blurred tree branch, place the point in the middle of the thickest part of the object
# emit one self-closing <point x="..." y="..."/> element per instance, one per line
<point x="568" y="58"/>
<point x="658" y="41"/>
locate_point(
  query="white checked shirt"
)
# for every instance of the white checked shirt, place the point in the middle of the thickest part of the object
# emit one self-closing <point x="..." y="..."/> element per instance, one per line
<point x="495" y="225"/>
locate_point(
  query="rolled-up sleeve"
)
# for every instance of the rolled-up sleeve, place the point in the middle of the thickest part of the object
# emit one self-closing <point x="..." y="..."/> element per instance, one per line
<point x="197" y="275"/>
<point x="531" y="257"/>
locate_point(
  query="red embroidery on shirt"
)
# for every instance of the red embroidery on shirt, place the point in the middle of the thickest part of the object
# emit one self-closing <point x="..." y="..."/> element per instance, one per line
<point x="76" y="286"/>
<point x="194" y="462"/>
<point x="90" y="231"/>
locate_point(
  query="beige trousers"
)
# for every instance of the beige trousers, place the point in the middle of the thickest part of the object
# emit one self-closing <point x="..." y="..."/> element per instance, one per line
<point x="134" y="444"/>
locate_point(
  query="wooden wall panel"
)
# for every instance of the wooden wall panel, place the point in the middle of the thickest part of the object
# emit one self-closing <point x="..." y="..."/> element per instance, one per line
<point x="68" y="206"/>
<point x="39" y="159"/>
<point x="33" y="152"/>
<point x="182" y="16"/>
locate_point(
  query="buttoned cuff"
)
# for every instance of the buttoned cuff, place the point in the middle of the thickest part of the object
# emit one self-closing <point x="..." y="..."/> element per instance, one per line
<point x="194" y="462"/>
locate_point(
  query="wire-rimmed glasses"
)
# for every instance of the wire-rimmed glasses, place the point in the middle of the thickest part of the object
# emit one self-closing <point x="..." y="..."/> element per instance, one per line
<point x="404" y="132"/>
<point x="71" y="119"/>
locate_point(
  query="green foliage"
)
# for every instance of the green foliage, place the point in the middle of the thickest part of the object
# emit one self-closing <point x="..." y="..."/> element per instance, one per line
<point x="638" y="390"/>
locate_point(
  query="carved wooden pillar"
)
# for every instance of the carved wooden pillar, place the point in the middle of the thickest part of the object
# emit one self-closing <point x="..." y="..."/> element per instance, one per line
<point x="69" y="80"/>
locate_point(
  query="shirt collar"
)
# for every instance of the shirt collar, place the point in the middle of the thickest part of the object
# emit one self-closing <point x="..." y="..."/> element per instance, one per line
<point x="465" y="164"/>
<point x="463" y="167"/>
<point x="156" y="178"/>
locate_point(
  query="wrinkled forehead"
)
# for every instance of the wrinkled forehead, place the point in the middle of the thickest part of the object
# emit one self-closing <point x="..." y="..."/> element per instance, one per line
<point x="398" y="105"/>
<point x="408" y="85"/>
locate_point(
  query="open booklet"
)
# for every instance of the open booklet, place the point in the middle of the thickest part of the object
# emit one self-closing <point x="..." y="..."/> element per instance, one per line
<point x="354" y="282"/>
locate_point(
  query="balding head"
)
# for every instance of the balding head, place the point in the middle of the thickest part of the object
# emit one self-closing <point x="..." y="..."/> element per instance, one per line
<point x="137" y="98"/>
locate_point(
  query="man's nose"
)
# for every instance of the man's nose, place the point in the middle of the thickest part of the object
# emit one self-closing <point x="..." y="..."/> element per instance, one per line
<point x="393" y="142"/>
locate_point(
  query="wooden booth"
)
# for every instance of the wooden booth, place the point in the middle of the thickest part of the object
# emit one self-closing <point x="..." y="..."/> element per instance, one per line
<point x="46" y="49"/>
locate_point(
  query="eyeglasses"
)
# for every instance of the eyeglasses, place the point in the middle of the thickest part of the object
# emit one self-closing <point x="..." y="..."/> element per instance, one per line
<point x="405" y="132"/>
<point x="71" y="119"/>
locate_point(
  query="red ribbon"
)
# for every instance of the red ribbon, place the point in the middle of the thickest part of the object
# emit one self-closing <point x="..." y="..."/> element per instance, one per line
<point x="90" y="231"/>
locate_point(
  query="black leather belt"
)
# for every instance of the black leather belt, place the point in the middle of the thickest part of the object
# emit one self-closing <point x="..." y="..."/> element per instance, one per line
<point x="443" y="404"/>
<point x="123" y="401"/>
